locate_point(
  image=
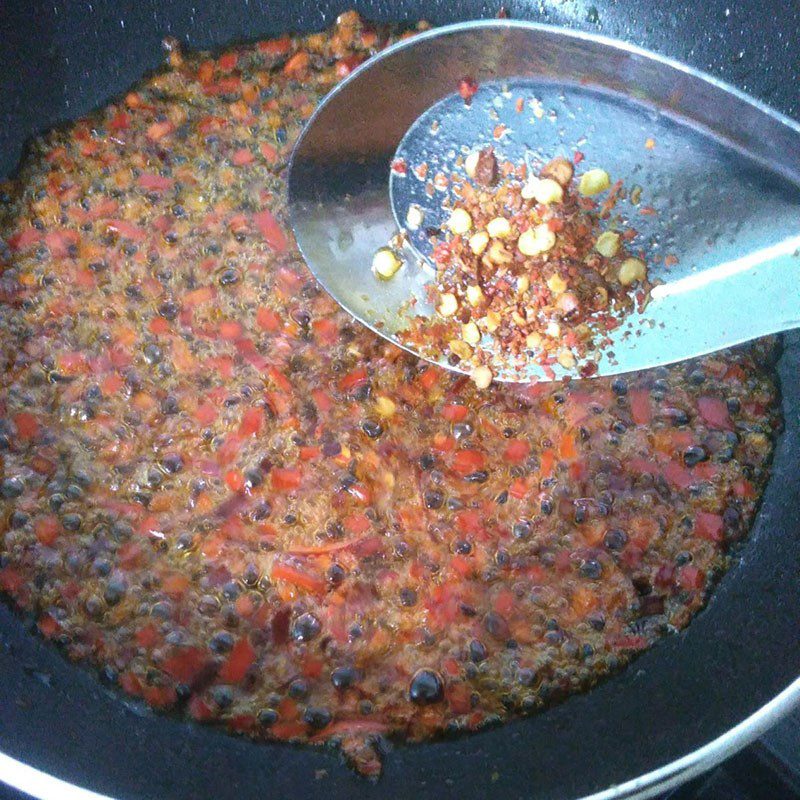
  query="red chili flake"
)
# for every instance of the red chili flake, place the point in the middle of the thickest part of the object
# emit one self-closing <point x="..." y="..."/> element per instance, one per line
<point x="466" y="462"/>
<point x="27" y="425"/>
<point x="285" y="479"/>
<point x="185" y="664"/>
<point x="251" y="422"/>
<point x="467" y="88"/>
<point x="239" y="661"/>
<point x="344" y="66"/>
<point x="691" y="577"/>
<point x="399" y="166"/>
<point x="269" y="152"/>
<point x="281" y="571"/>
<point x="234" y="480"/>
<point x="130" y="683"/>
<point x="60" y="241"/>
<point x="11" y="580"/>
<point x="455" y="412"/>
<point x="271" y="230"/>
<point x="709" y="526"/>
<point x="715" y="413"/>
<point x="577" y="157"/>
<point x="640" y="406"/>
<point x="242" y="157"/>
<point x="158" y="130"/>
<point x="126" y="229"/>
<point x="276" y="47"/>
<point x="227" y="61"/>
<point x="199" y="709"/>
<point x="24" y="239"/>
<point x="677" y="475"/>
<point x="296" y="65"/>
<point x="353" y="379"/>
<point x="308" y="452"/>
<point x="154" y="183"/>
<point x="230" y="330"/>
<point x="517" y="451"/>
<point x="119" y="122"/>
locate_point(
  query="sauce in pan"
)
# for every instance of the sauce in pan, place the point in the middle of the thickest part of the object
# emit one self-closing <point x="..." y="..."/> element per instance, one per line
<point x="240" y="505"/>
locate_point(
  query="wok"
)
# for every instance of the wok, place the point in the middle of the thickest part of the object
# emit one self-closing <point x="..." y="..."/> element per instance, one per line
<point x="684" y="705"/>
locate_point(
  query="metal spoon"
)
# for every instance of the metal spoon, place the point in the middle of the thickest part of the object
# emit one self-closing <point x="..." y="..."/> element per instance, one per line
<point x="721" y="172"/>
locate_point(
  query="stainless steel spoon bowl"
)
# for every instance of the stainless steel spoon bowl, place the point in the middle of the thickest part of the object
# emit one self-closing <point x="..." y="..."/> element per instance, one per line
<point x="720" y="170"/>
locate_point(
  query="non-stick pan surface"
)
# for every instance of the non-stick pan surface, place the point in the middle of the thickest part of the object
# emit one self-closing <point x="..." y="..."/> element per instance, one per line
<point x="61" y="58"/>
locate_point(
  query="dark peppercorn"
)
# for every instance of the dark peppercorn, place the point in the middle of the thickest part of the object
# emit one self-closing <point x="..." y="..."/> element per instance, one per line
<point x="222" y="696"/>
<point x="335" y="574"/>
<point x="221" y="642"/>
<point x="71" y="522"/>
<point x="317" y="718"/>
<point x="692" y="456"/>
<point x="496" y="626"/>
<point x="619" y="386"/>
<point x="479" y="476"/>
<point x="522" y="529"/>
<point x="371" y="428"/>
<point x="11" y="488"/>
<point x="344" y="677"/>
<point x="267" y="717"/>
<point x="426" y="687"/>
<point x="615" y="539"/>
<point x="433" y="499"/>
<point x="19" y="519"/>
<point x="228" y="277"/>
<point x="408" y="597"/>
<point x="591" y="569"/>
<point x="298" y="689"/>
<point x="305" y="627"/>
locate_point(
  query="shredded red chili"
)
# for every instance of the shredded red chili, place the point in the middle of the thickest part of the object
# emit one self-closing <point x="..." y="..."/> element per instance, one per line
<point x="240" y="505"/>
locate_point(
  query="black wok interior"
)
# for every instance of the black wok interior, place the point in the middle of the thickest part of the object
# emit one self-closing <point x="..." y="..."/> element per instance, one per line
<point x="59" y="59"/>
